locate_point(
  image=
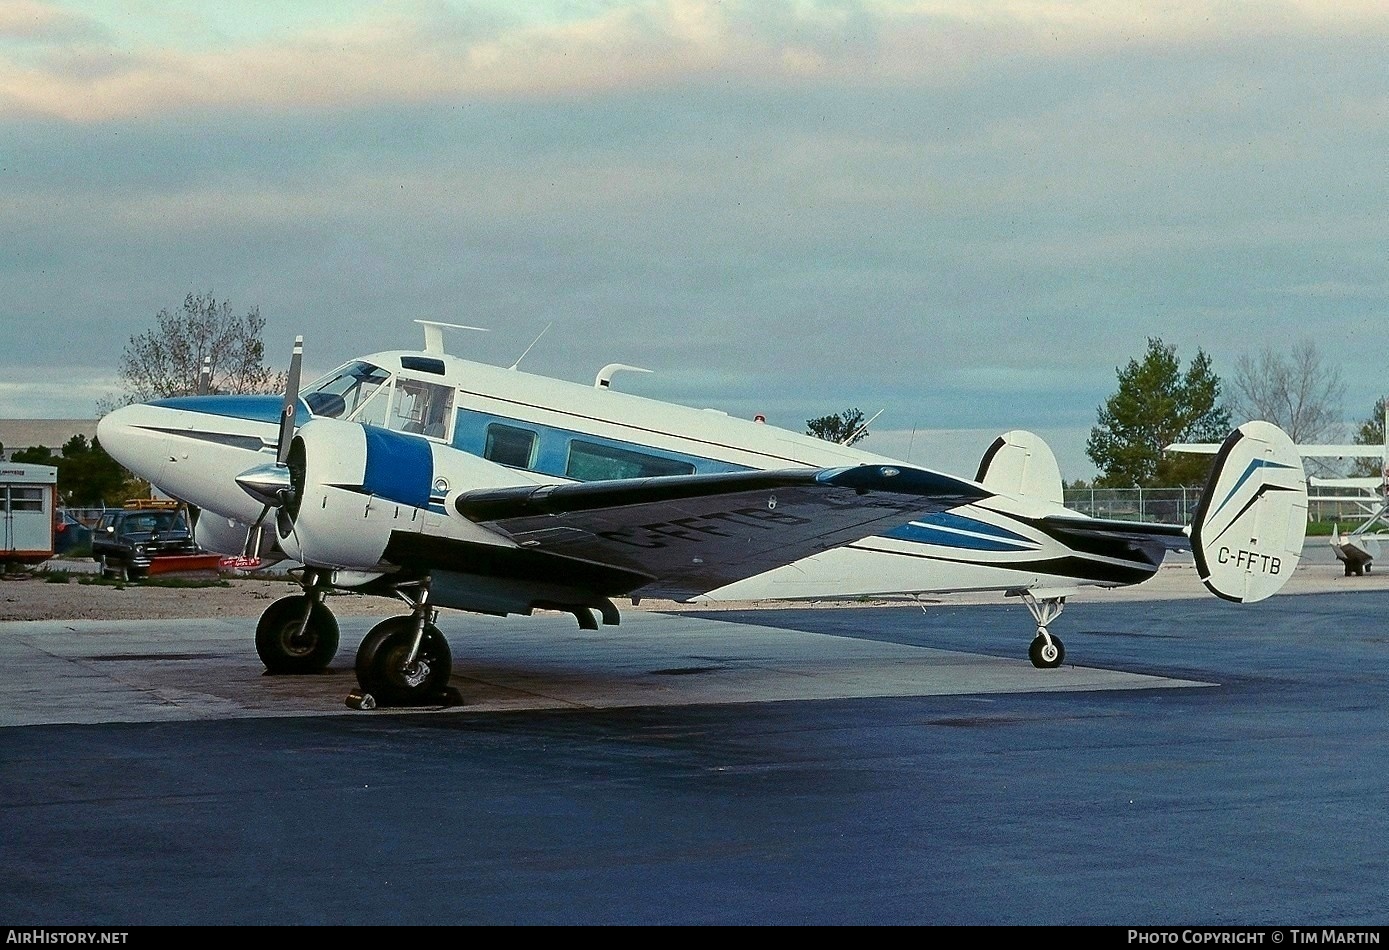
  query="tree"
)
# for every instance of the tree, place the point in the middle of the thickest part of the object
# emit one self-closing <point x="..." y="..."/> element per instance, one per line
<point x="846" y="427"/>
<point x="1300" y="393"/>
<point x="87" y="476"/>
<point x="1371" y="432"/>
<point x="1156" y="404"/>
<point x="168" y="360"/>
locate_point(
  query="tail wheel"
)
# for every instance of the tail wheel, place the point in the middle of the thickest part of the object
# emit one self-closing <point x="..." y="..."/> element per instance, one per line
<point x="283" y="649"/>
<point x="382" y="670"/>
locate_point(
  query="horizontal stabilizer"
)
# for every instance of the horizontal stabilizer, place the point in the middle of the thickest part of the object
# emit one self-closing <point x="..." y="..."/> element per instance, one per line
<point x="1249" y="527"/>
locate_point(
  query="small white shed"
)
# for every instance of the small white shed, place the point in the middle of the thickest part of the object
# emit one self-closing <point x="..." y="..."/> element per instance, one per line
<point x="28" y="497"/>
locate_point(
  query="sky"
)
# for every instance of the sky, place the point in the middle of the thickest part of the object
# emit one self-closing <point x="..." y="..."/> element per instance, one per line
<point x="959" y="216"/>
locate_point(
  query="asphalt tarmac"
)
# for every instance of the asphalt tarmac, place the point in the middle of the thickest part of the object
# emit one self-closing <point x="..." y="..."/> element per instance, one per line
<point x="1194" y="763"/>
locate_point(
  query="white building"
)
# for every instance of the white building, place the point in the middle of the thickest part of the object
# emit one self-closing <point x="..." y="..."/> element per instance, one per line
<point x="28" y="497"/>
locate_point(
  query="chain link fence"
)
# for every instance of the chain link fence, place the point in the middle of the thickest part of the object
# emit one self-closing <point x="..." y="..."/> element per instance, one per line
<point x="1177" y="505"/>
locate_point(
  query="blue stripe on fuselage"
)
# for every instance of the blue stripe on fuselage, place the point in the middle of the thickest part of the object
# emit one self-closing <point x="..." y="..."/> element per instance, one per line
<point x="399" y="467"/>
<point x="956" y="531"/>
<point x="254" y="408"/>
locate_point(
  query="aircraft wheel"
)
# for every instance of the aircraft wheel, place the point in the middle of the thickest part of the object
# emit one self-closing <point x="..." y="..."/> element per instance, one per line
<point x="279" y="644"/>
<point x="1044" y="655"/>
<point x="381" y="669"/>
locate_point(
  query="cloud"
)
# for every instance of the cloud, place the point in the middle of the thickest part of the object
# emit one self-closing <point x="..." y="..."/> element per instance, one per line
<point x="32" y="21"/>
<point x="480" y="52"/>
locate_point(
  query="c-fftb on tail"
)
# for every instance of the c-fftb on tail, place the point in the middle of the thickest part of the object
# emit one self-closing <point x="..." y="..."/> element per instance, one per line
<point x="1249" y="526"/>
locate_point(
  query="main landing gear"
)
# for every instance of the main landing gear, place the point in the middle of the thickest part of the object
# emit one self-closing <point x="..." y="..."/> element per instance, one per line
<point x="403" y="661"/>
<point x="1046" y="651"/>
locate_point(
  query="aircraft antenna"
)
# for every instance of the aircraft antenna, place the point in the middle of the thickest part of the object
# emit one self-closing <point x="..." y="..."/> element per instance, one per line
<point x="533" y="343"/>
<point x="863" y="428"/>
<point x="434" y="334"/>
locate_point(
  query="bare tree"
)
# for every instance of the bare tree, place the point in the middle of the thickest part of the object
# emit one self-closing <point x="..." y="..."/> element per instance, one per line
<point x="1300" y="392"/>
<point x="202" y="336"/>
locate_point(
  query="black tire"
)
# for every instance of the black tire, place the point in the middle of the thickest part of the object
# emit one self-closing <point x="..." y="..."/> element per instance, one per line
<point x="1042" y="658"/>
<point x="381" y="669"/>
<point x="280" y="647"/>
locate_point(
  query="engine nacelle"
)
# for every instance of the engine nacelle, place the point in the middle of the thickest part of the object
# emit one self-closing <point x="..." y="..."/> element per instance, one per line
<point x="356" y="486"/>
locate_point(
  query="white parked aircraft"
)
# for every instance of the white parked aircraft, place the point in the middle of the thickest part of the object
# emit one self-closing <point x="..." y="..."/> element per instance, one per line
<point x="450" y="483"/>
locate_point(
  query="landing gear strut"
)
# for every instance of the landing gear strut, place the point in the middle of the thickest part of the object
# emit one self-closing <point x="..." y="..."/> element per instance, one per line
<point x="405" y="661"/>
<point x="298" y="634"/>
<point x="1046" y="651"/>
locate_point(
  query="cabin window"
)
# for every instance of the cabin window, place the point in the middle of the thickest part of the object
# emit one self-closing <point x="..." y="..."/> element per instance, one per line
<point x="421" y="407"/>
<point x="592" y="462"/>
<point x="338" y="395"/>
<point x="508" y="445"/>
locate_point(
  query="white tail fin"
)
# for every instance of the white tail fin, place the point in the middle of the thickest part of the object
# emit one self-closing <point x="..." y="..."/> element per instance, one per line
<point x="1250" y="524"/>
<point x="1021" y="463"/>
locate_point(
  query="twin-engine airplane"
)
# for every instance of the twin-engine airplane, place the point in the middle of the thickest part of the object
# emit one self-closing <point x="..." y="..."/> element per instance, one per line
<point x="449" y="483"/>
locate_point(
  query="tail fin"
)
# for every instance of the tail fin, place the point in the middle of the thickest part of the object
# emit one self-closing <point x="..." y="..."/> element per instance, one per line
<point x="1021" y="463"/>
<point x="1249" y="526"/>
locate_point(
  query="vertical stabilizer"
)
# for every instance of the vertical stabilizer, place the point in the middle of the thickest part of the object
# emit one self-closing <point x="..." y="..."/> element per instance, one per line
<point x="1250" y="524"/>
<point x="1021" y="463"/>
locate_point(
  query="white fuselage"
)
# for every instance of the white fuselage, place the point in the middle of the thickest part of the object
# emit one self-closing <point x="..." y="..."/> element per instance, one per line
<point x="487" y="427"/>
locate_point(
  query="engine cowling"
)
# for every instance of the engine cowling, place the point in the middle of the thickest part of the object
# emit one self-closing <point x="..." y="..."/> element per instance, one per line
<point x="355" y="486"/>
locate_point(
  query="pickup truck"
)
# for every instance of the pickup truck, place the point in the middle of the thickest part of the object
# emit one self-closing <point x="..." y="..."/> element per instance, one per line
<point x="138" y="540"/>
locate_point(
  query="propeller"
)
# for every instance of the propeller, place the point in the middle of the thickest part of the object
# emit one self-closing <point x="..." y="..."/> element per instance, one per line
<point x="272" y="485"/>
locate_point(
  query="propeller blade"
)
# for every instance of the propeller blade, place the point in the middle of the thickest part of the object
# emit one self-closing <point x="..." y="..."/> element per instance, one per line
<point x="291" y="404"/>
<point x="252" y="545"/>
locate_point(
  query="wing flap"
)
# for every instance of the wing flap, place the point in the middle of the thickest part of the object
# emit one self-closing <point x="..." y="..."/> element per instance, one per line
<point x="695" y="533"/>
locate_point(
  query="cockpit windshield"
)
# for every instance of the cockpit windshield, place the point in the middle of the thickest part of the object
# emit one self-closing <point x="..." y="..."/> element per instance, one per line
<point x="339" y="394"/>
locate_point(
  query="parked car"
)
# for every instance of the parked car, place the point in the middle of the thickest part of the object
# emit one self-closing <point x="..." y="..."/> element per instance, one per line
<point x="144" y="538"/>
<point x="69" y="534"/>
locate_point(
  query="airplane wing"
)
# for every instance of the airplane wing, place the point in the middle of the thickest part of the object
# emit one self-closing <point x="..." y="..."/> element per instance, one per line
<point x="1306" y="451"/>
<point x="677" y="536"/>
<point x="1370" y="484"/>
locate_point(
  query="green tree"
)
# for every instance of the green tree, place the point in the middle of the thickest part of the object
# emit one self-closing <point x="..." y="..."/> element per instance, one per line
<point x="1157" y="404"/>
<point x="845" y="427"/>
<point x="1371" y="432"/>
<point x="88" y="477"/>
<point x="35" y="455"/>
<point x="169" y="360"/>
